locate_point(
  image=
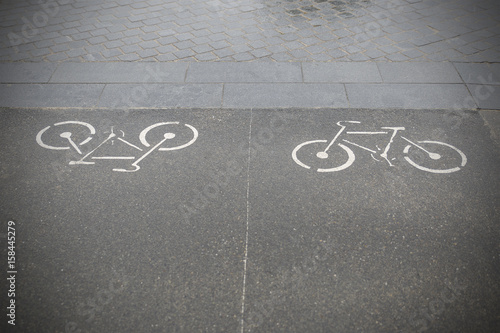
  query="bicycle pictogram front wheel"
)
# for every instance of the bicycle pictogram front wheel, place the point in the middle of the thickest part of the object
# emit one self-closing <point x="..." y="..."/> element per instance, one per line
<point x="179" y="135"/>
<point x="315" y="151"/>
<point x="456" y="157"/>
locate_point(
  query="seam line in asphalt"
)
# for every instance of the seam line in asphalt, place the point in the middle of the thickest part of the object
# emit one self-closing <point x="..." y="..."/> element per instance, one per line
<point x="245" y="259"/>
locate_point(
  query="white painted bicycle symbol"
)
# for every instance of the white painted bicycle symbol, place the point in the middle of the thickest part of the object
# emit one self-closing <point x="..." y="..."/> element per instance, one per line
<point x="321" y="149"/>
<point x="70" y="141"/>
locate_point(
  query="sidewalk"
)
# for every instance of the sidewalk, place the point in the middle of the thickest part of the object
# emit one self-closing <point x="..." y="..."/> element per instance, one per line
<point x="366" y="54"/>
<point x="247" y="30"/>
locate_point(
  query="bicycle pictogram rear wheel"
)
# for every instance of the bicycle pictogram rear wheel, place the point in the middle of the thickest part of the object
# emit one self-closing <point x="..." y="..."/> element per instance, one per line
<point x="67" y="135"/>
<point x="317" y="146"/>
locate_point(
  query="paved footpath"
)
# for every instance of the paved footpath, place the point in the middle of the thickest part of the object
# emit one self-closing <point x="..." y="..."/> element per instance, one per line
<point x="250" y="166"/>
<point x="245" y="30"/>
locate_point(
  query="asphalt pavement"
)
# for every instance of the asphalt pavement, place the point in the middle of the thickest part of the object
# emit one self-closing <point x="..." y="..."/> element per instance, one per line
<point x="233" y="221"/>
<point x="250" y="166"/>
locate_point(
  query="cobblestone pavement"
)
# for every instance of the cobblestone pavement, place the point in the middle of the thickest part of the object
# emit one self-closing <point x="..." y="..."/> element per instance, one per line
<point x="246" y="30"/>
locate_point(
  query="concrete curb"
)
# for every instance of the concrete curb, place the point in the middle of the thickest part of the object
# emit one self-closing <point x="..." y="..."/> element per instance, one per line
<point x="410" y="85"/>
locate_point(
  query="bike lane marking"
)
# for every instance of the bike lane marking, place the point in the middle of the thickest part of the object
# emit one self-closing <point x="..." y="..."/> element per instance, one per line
<point x="322" y="154"/>
<point x="112" y="135"/>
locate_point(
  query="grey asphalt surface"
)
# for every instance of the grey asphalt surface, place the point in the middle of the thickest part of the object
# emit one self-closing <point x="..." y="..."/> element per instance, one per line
<point x="230" y="234"/>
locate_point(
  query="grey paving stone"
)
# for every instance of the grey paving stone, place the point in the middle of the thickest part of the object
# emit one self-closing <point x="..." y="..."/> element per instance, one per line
<point x="44" y="43"/>
<point x="184" y="45"/>
<point x="340" y="72"/>
<point x="299" y="54"/>
<point x="75" y="53"/>
<point x="131" y="48"/>
<point x="167" y="40"/>
<point x="202" y="48"/>
<point x="116" y="29"/>
<point x="166" y="49"/>
<point x="321" y="57"/>
<point x="129" y="57"/>
<point x="77" y="44"/>
<point x="315" y="49"/>
<point x="119" y="72"/>
<point x="99" y="32"/>
<point x="184" y="53"/>
<point x="397" y="57"/>
<point x="219" y="44"/>
<point x="479" y="73"/>
<point x="26" y="72"/>
<point x="467" y="50"/>
<point x="374" y="53"/>
<point x="244" y="72"/>
<point x="40" y="52"/>
<point x="96" y="40"/>
<point x="409" y="96"/>
<point x="115" y="36"/>
<point x="337" y="53"/>
<point x="56" y="57"/>
<point x="161" y="95"/>
<point x="419" y="72"/>
<point x="145" y="54"/>
<point x="250" y="95"/>
<point x="149" y="44"/>
<point x="166" y="57"/>
<point x="260" y="53"/>
<point x="50" y="95"/>
<point x="486" y="96"/>
<point x="245" y="56"/>
<point x="59" y="48"/>
<point x="113" y="44"/>
<point x="222" y="53"/>
<point x="208" y="56"/>
<point x="132" y="32"/>
<point x="358" y="57"/>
